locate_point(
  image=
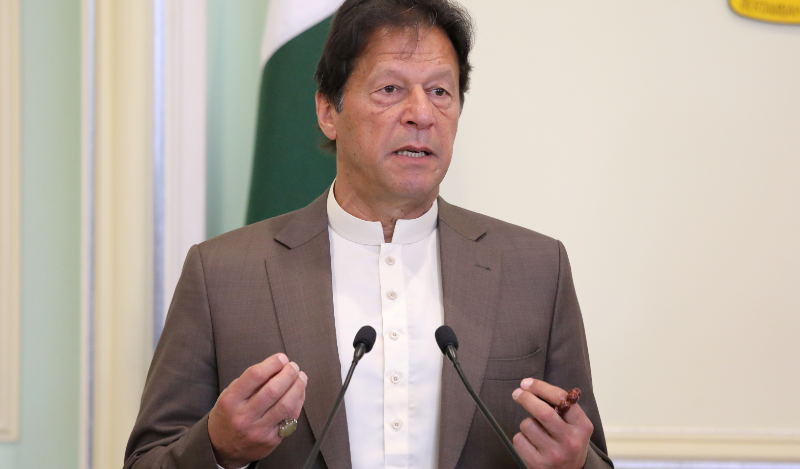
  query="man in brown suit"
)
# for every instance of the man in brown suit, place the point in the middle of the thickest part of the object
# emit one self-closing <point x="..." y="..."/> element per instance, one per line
<point x="391" y="85"/>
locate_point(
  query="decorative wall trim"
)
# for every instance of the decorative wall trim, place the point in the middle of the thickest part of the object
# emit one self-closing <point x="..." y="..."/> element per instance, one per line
<point x="184" y="140"/>
<point x="123" y="205"/>
<point x="10" y="217"/>
<point x="88" y="225"/>
<point x="652" y="464"/>
<point x="144" y="191"/>
<point x="705" y="443"/>
<point x="149" y="203"/>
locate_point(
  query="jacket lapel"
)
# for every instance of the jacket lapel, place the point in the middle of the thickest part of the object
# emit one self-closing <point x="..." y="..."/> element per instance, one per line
<point x="470" y="287"/>
<point x="300" y="280"/>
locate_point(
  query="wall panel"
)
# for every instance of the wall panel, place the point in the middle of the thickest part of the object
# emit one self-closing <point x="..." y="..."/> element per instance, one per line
<point x="10" y="217"/>
<point x="658" y="141"/>
<point x="48" y="181"/>
<point x="149" y="197"/>
<point x="123" y="339"/>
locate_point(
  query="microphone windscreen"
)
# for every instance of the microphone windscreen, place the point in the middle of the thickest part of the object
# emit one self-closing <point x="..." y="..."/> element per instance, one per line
<point x="444" y="337"/>
<point x="366" y="335"/>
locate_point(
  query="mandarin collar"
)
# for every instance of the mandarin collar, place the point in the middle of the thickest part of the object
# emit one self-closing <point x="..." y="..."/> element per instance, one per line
<point x="371" y="232"/>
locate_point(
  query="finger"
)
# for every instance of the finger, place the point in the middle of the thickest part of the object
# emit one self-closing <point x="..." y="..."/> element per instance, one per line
<point x="536" y="434"/>
<point x="243" y="387"/>
<point x="543" y="413"/>
<point x="288" y="406"/>
<point x="527" y="451"/>
<point x="576" y="416"/>
<point x="553" y="395"/>
<point x="299" y="407"/>
<point x="272" y="390"/>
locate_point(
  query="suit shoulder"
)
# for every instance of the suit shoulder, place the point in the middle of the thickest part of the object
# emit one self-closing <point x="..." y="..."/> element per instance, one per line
<point x="244" y="240"/>
<point x="522" y="250"/>
<point x="504" y="233"/>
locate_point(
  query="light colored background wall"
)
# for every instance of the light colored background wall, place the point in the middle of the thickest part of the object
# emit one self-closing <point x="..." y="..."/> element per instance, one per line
<point x="51" y="40"/>
<point x="659" y="141"/>
<point x="234" y="48"/>
<point x="655" y="139"/>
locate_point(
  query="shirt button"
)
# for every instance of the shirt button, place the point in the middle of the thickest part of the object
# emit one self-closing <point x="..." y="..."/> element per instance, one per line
<point x="395" y="378"/>
<point x="394" y="335"/>
<point x="390" y="260"/>
<point x="397" y="424"/>
<point x="391" y="295"/>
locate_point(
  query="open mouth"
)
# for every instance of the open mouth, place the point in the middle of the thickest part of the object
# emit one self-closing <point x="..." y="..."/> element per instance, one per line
<point x="412" y="154"/>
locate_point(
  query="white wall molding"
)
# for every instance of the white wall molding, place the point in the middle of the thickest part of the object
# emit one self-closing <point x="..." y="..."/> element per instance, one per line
<point x="144" y="201"/>
<point x="652" y="464"/>
<point x="712" y="443"/>
<point x="86" y="406"/>
<point x="123" y="206"/>
<point x="185" y="138"/>
<point x="10" y="217"/>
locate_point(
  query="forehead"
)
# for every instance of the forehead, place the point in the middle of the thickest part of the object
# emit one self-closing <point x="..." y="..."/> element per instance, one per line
<point x="423" y="48"/>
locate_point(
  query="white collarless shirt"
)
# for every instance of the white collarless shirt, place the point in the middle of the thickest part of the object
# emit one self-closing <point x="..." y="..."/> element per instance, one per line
<point x="393" y="400"/>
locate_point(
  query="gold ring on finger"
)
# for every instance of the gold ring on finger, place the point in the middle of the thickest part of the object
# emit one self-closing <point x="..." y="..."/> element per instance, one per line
<point x="286" y="427"/>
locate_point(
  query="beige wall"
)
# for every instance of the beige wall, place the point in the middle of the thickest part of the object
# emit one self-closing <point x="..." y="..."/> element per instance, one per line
<point x="661" y="142"/>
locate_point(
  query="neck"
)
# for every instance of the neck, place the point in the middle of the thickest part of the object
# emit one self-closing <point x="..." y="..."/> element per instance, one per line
<point x="386" y="210"/>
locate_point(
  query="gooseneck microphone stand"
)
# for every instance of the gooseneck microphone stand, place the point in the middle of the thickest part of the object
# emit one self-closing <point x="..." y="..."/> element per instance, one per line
<point x="448" y="343"/>
<point x="365" y="339"/>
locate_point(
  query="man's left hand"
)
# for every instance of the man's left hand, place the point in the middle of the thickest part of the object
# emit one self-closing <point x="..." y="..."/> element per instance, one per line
<point x="548" y="440"/>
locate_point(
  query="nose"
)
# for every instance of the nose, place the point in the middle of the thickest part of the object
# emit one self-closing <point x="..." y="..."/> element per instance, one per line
<point x="419" y="110"/>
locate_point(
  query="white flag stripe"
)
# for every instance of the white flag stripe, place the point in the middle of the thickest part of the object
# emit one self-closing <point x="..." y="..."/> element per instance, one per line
<point x="287" y="19"/>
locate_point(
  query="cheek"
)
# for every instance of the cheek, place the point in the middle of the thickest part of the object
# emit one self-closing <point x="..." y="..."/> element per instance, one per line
<point x="453" y="117"/>
<point x="449" y="130"/>
<point x="449" y="116"/>
<point x="376" y="130"/>
<point x="353" y="135"/>
<point x="445" y="165"/>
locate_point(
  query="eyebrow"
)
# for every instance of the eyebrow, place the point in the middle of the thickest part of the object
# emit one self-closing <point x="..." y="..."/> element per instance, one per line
<point x="442" y="72"/>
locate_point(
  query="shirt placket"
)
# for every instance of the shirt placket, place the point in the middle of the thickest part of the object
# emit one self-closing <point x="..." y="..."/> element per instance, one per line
<point x="395" y="328"/>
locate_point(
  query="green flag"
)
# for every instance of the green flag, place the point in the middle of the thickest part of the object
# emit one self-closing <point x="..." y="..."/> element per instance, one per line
<point x="289" y="168"/>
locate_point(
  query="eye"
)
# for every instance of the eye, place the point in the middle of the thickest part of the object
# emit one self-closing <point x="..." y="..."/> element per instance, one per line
<point x="389" y="89"/>
<point x="439" y="92"/>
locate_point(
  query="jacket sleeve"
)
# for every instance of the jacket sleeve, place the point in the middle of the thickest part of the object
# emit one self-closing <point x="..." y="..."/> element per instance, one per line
<point x="171" y="430"/>
<point x="567" y="363"/>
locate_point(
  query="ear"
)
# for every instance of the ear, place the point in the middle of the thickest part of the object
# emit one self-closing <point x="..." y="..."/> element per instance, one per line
<point x="326" y="116"/>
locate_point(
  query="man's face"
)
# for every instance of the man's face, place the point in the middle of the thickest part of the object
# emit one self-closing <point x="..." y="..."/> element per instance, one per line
<point x="395" y="134"/>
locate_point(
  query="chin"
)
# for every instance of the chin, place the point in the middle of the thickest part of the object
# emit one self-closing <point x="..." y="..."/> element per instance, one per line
<point x="414" y="189"/>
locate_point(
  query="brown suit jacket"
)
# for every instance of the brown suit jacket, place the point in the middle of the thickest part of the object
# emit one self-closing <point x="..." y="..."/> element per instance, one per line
<point x="266" y="288"/>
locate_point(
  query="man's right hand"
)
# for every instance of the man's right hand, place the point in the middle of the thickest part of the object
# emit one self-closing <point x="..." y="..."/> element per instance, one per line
<point x="243" y="425"/>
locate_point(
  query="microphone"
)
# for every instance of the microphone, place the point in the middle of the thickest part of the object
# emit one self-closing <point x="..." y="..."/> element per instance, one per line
<point x="365" y="339"/>
<point x="448" y="343"/>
